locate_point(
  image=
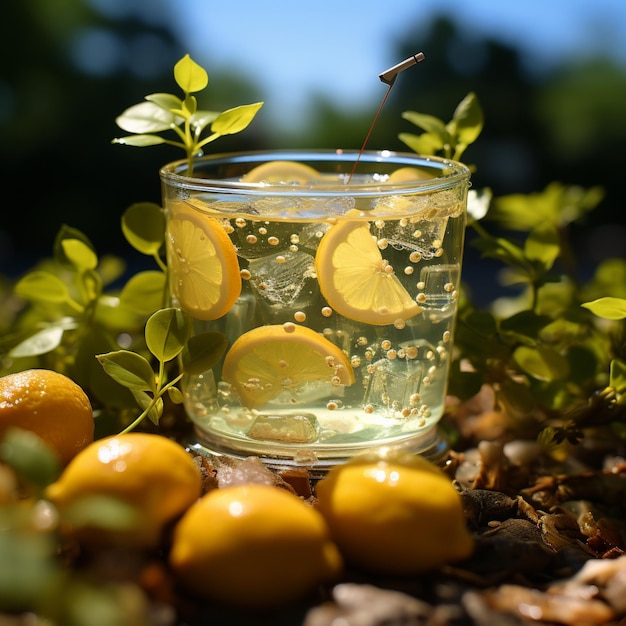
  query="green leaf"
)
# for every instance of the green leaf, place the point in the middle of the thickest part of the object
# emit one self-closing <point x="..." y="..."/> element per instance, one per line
<point x="428" y="123"/>
<point x="502" y="249"/>
<point x="40" y="285"/>
<point x="607" y="308"/>
<point x="190" y="76"/>
<point x="541" y="362"/>
<point x="617" y="376"/>
<point x="175" y="395"/>
<point x="41" y="342"/>
<point x="31" y="457"/>
<point x="140" y="141"/>
<point x="166" y="333"/>
<point x="235" y="120"/>
<point x="129" y="369"/>
<point x="146" y="117"/>
<point x="190" y="106"/>
<point x="156" y="406"/>
<point x="203" y="351"/>
<point x="201" y="119"/>
<point x="426" y="143"/>
<point x="167" y="101"/>
<point x="144" y="291"/>
<point x="543" y="245"/>
<point x="143" y="225"/>
<point x="467" y="121"/>
<point x="102" y="511"/>
<point x="525" y="323"/>
<point x="80" y="255"/>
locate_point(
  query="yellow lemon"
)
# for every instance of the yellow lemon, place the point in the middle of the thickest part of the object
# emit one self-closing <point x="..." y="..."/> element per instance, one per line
<point x="49" y="404"/>
<point x="281" y="172"/>
<point x="270" y="360"/>
<point x="408" y="174"/>
<point x="253" y="545"/>
<point x="203" y="265"/>
<point x="394" y="517"/>
<point x="356" y="280"/>
<point x="152" y="474"/>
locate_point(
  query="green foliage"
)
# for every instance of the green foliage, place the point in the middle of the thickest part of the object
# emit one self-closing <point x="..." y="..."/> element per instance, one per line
<point x="554" y="369"/>
<point x="167" y="112"/>
<point x="451" y="139"/>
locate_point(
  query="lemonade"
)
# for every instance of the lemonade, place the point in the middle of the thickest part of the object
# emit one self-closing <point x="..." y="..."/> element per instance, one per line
<point x="341" y="294"/>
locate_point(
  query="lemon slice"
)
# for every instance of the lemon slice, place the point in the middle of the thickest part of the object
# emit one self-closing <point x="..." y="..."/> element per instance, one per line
<point x="268" y="360"/>
<point x="408" y="174"/>
<point x="203" y="266"/>
<point x="355" y="279"/>
<point x="281" y="172"/>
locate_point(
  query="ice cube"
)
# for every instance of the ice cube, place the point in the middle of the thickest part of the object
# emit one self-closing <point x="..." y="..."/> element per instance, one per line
<point x="285" y="428"/>
<point x="279" y="278"/>
<point x="423" y="236"/>
<point x="394" y="386"/>
<point x="439" y="285"/>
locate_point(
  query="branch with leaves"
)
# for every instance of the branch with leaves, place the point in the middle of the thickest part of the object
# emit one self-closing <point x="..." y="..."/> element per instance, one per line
<point x="167" y="112"/>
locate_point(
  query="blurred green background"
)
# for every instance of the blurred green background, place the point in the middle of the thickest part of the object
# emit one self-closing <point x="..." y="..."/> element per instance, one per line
<point x="71" y="66"/>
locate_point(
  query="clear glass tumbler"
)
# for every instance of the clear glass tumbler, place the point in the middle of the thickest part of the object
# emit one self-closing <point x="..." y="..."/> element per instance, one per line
<point x="337" y="293"/>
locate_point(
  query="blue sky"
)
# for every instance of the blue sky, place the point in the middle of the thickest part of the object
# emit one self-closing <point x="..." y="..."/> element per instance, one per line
<point x="292" y="48"/>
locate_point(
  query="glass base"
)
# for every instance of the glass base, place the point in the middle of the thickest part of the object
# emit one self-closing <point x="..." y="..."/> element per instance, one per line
<point x="431" y="445"/>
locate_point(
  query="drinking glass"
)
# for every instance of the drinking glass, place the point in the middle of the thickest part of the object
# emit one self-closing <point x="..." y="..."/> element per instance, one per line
<point x="334" y="278"/>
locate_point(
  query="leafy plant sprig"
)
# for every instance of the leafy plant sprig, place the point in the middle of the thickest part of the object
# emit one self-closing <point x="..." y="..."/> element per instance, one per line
<point x="548" y="362"/>
<point x="167" y="335"/>
<point x="167" y="112"/>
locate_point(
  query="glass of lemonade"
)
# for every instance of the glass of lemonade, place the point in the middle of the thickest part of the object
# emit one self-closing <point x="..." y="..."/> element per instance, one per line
<point x="337" y="293"/>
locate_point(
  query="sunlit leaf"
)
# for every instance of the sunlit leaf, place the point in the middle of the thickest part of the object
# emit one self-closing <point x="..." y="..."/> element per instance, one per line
<point x="426" y="143"/>
<point x="140" y="141"/>
<point x="468" y="120"/>
<point x="190" y="106"/>
<point x="190" y="76"/>
<point x="67" y="232"/>
<point x="144" y="291"/>
<point x="542" y="244"/>
<point x="203" y="351"/>
<point x="143" y="225"/>
<point x="201" y="119"/>
<point x="166" y="101"/>
<point x="235" y="120"/>
<point x="129" y="369"/>
<point x="146" y="117"/>
<point x="42" y="342"/>
<point x="541" y="362"/>
<point x="81" y="256"/>
<point x="42" y="285"/>
<point x="428" y="123"/>
<point x="607" y="308"/>
<point x="166" y="333"/>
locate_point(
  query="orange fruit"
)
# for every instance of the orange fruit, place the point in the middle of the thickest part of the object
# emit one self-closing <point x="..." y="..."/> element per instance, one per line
<point x="49" y="404"/>
<point x="270" y="360"/>
<point x="395" y="516"/>
<point x="253" y="545"/>
<point x="155" y="476"/>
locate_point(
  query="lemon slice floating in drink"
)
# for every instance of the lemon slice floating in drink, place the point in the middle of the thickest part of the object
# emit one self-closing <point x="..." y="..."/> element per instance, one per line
<point x="204" y="271"/>
<point x="269" y="360"/>
<point x="281" y="172"/>
<point x="356" y="280"/>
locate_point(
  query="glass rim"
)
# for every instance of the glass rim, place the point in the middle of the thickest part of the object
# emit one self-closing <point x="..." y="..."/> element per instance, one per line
<point x="452" y="173"/>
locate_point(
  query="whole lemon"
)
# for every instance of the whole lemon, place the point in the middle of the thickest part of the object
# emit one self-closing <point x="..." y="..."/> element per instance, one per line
<point x="253" y="545"/>
<point x="396" y="517"/>
<point x="152" y="474"/>
<point x="49" y="404"/>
